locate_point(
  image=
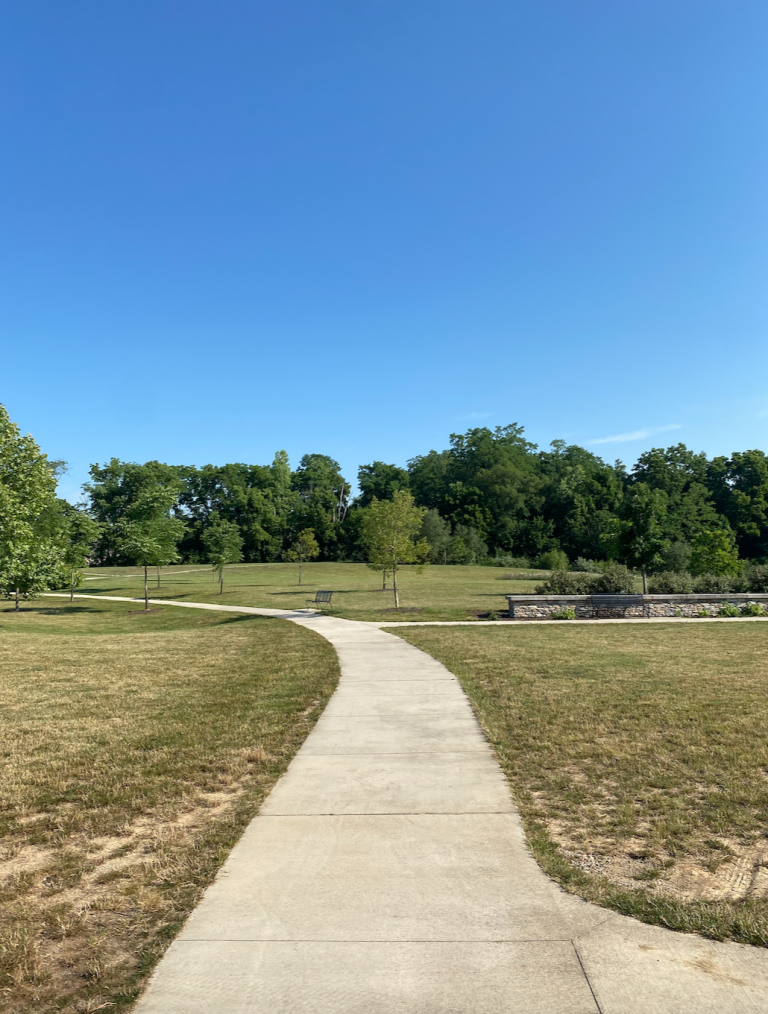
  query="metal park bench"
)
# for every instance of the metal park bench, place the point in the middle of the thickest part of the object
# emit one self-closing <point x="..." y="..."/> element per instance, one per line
<point x="615" y="602"/>
<point x="322" y="598"/>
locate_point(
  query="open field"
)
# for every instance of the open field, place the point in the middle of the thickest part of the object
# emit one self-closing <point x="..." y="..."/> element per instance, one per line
<point x="135" y="749"/>
<point x="638" y="757"/>
<point x="437" y="593"/>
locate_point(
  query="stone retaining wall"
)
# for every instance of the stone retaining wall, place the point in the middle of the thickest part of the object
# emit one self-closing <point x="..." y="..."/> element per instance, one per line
<point x="546" y="607"/>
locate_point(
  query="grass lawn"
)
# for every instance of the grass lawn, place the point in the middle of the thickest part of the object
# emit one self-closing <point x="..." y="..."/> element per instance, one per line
<point x="638" y="756"/>
<point x="437" y="593"/>
<point x="135" y="749"/>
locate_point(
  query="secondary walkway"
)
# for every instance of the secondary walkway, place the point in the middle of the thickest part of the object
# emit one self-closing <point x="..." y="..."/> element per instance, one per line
<point x="387" y="873"/>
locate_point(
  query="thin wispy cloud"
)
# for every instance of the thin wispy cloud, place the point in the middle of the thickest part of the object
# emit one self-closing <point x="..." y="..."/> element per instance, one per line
<point x="469" y="416"/>
<point x="624" y="438"/>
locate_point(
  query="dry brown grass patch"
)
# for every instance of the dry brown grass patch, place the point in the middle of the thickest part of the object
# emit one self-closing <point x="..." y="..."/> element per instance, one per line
<point x="133" y="762"/>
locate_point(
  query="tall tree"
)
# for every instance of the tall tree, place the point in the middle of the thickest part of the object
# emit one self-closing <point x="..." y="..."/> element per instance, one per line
<point x="29" y="560"/>
<point x="389" y="529"/>
<point x="149" y="534"/>
<point x="223" y="544"/>
<point x="380" y="480"/>
<point x="117" y="494"/>
<point x="642" y="539"/>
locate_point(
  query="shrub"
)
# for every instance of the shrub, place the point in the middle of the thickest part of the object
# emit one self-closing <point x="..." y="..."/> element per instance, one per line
<point x="720" y="584"/>
<point x="505" y="560"/>
<point x="756" y="577"/>
<point x="566" y="613"/>
<point x="753" y="609"/>
<point x="585" y="566"/>
<point x="615" y="579"/>
<point x="554" y="559"/>
<point x="670" y="582"/>
<point x="565" y="582"/>
<point x="728" y="609"/>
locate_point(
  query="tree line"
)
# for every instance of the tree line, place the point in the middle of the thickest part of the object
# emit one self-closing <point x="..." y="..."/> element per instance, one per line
<point x="490" y="497"/>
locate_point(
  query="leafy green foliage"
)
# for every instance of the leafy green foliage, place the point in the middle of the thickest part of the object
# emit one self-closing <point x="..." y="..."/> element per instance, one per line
<point x="753" y="609"/>
<point x="304" y="548"/>
<point x="389" y="530"/>
<point x="641" y="536"/>
<point x="728" y="609"/>
<point x="553" y="559"/>
<point x="147" y="533"/>
<point x="566" y="582"/>
<point x="437" y="532"/>
<point x="714" y="552"/>
<point x="223" y="544"/>
<point x="714" y="583"/>
<point x="30" y="560"/>
<point x="380" y="481"/>
<point x="467" y="546"/>
<point x="670" y="582"/>
<point x="615" y="579"/>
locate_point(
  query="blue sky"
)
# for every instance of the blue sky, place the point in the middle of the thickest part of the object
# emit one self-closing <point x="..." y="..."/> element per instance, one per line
<point x="357" y="227"/>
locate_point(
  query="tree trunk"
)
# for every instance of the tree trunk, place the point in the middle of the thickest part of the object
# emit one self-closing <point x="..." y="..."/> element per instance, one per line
<point x="645" y="584"/>
<point x="158" y="577"/>
<point x="17" y="600"/>
<point x="71" y="586"/>
<point x="221" y="581"/>
<point x="394" y="585"/>
<point x="383" y="580"/>
<point x="146" y="590"/>
<point x="299" y="571"/>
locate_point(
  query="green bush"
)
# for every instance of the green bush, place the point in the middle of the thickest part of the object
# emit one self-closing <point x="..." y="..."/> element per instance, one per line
<point x="755" y="577"/>
<point x="566" y="582"/>
<point x="585" y="566"/>
<point x="614" y="579"/>
<point x="554" y="559"/>
<point x="566" y="613"/>
<point x="720" y="584"/>
<point x="752" y="609"/>
<point x="728" y="609"/>
<point x="512" y="562"/>
<point x="670" y="582"/>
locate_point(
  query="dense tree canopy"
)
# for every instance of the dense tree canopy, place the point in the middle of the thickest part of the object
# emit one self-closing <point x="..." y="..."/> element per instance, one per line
<point x="491" y="495"/>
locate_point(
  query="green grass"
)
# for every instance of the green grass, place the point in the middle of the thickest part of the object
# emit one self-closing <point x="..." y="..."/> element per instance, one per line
<point x="437" y="593"/>
<point x="135" y="748"/>
<point x="638" y="757"/>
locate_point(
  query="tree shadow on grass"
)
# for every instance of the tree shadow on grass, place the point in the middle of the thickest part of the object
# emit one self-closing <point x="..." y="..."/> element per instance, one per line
<point x="53" y="610"/>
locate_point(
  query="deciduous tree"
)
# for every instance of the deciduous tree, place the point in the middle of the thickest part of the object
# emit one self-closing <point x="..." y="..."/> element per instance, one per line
<point x="389" y="530"/>
<point x="223" y="544"/>
<point x="304" y="548"/>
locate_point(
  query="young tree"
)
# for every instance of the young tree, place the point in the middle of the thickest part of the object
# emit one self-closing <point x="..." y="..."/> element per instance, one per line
<point x="223" y="544"/>
<point x="79" y="534"/>
<point x="714" y="552"/>
<point x="389" y="529"/>
<point x="304" y="548"/>
<point x="641" y="536"/>
<point x="150" y="535"/>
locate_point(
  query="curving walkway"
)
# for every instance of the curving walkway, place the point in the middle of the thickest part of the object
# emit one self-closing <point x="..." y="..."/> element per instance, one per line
<point x="387" y="873"/>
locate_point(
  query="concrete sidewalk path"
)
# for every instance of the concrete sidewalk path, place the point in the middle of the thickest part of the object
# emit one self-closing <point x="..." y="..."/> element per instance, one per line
<point x="387" y="873"/>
